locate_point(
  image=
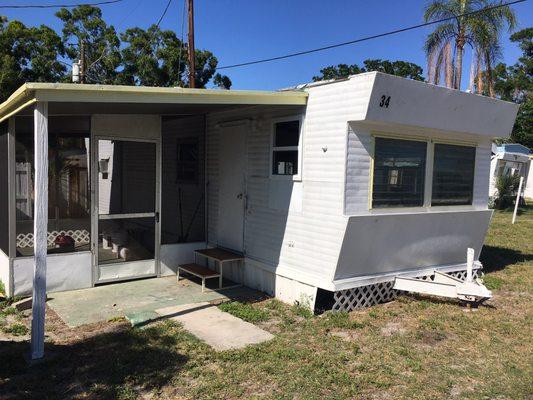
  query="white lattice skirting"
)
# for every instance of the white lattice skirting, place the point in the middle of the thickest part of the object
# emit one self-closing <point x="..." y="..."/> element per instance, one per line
<point x="370" y="295"/>
<point x="79" y="236"/>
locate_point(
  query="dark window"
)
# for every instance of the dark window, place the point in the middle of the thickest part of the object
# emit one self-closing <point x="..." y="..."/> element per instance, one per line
<point x="453" y="175"/>
<point x="399" y="172"/>
<point x="187" y="159"/>
<point x="285" y="150"/>
<point x="285" y="163"/>
<point x="287" y="134"/>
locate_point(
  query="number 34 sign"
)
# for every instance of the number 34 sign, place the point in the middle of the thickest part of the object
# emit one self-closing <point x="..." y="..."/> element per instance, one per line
<point x="385" y="100"/>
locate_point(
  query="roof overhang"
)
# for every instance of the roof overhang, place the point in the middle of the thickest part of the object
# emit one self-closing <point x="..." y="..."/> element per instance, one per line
<point x="155" y="100"/>
<point x="391" y="101"/>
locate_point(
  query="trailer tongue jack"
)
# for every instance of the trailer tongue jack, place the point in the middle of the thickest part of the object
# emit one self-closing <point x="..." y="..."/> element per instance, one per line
<point x="443" y="285"/>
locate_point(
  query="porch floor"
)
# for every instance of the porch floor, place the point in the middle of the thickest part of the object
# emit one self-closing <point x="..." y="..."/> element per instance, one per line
<point x="136" y="300"/>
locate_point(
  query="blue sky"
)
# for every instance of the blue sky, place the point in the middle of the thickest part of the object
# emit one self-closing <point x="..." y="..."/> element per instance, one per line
<point x="243" y="30"/>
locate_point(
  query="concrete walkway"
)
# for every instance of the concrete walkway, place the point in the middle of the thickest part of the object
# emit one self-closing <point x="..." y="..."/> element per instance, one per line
<point x="135" y="300"/>
<point x="219" y="329"/>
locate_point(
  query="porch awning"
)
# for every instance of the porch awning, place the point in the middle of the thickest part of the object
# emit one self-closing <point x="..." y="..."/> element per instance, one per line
<point x="68" y="98"/>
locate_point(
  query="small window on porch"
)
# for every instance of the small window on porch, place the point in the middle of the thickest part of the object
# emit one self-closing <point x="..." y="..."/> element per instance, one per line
<point x="286" y="148"/>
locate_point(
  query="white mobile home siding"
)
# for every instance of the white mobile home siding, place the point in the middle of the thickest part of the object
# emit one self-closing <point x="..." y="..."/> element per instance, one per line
<point x="302" y="245"/>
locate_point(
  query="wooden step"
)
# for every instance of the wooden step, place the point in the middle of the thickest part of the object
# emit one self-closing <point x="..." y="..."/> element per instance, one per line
<point x="199" y="271"/>
<point x="220" y="255"/>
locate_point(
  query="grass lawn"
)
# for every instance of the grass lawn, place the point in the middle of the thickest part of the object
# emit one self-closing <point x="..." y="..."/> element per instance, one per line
<point x="411" y="348"/>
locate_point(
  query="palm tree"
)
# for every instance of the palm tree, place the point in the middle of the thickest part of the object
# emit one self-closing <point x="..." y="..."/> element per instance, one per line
<point x="481" y="31"/>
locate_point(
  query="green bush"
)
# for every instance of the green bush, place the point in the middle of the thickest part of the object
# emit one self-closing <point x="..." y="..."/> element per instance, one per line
<point x="505" y="186"/>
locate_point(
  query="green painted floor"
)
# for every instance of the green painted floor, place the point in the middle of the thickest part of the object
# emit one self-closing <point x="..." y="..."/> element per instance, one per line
<point x="135" y="300"/>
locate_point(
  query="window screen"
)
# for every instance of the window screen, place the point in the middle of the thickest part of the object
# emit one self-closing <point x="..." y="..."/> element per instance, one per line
<point x="4" y="189"/>
<point x="69" y="201"/>
<point x="399" y="172"/>
<point x="453" y="175"/>
<point x="183" y="180"/>
<point x="187" y="159"/>
<point x="285" y="149"/>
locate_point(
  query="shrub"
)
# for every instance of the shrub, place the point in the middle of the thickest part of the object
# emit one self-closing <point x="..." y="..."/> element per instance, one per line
<point x="506" y="185"/>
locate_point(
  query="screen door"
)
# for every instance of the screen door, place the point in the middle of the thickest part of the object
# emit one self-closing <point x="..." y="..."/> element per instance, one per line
<point x="127" y="219"/>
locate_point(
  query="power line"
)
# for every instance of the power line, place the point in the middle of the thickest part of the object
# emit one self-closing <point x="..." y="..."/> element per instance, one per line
<point x="99" y="3"/>
<point x="164" y="13"/>
<point x="364" y="39"/>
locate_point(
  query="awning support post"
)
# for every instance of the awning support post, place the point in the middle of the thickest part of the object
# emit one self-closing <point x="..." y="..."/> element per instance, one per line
<point x="40" y="229"/>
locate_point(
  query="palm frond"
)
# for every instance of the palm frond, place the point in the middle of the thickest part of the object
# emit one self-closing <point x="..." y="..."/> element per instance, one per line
<point x="439" y="9"/>
<point x="442" y="34"/>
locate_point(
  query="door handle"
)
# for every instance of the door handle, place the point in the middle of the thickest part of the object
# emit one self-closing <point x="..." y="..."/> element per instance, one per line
<point x="239" y="196"/>
<point x="157" y="217"/>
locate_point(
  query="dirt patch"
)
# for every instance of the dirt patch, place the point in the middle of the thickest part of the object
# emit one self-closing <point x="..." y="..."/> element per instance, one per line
<point x="346" y="335"/>
<point x="273" y="325"/>
<point x="393" y="328"/>
<point x="431" y="338"/>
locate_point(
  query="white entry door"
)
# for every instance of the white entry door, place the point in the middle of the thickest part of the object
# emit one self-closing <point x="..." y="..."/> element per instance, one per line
<point x="232" y="186"/>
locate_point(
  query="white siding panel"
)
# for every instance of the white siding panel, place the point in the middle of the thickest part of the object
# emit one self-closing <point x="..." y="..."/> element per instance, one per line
<point x="482" y="174"/>
<point x="358" y="163"/>
<point x="305" y="236"/>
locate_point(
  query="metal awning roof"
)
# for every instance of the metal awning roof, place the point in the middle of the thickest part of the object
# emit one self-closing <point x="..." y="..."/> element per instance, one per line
<point x="78" y="98"/>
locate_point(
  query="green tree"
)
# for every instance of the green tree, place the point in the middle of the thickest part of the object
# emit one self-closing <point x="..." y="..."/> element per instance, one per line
<point x="400" y="68"/>
<point x="154" y="57"/>
<point x="515" y="83"/>
<point x="28" y="54"/>
<point x="481" y="31"/>
<point x="84" y="26"/>
<point x="142" y="58"/>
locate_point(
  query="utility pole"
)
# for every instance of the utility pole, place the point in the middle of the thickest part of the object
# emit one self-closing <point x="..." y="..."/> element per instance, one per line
<point x="192" y="68"/>
<point x="82" y="62"/>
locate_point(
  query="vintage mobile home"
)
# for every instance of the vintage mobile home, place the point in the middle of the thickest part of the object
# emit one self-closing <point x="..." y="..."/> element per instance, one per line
<point x="328" y="190"/>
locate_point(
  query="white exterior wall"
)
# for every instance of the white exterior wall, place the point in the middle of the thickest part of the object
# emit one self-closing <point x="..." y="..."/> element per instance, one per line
<point x="173" y="255"/>
<point x="293" y="229"/>
<point x="269" y="225"/>
<point x="63" y="272"/>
